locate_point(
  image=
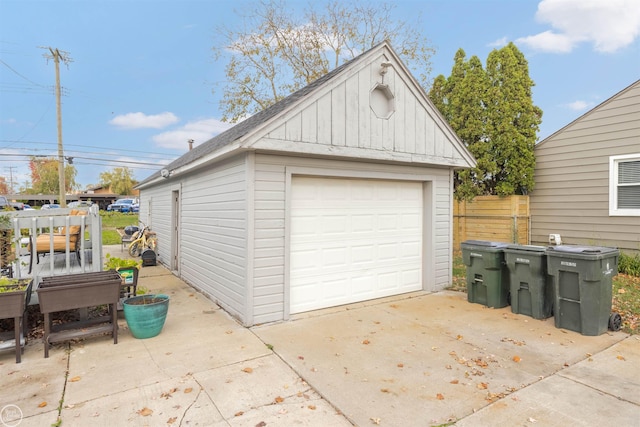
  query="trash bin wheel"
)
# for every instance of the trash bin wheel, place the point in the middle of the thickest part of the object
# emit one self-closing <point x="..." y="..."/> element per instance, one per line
<point x="615" y="322"/>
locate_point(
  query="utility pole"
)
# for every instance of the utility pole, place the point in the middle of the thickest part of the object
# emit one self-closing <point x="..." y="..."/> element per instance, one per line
<point x="58" y="56"/>
<point x="11" y="188"/>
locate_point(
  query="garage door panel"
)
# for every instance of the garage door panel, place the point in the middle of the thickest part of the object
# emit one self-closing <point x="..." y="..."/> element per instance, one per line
<point x="352" y="240"/>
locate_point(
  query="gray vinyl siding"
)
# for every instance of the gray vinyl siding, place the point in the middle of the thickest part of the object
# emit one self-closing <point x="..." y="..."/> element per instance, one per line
<point x="269" y="225"/>
<point x="571" y="196"/>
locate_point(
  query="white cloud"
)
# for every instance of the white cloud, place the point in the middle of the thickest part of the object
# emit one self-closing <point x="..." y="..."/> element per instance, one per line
<point x="579" y="105"/>
<point x="200" y="131"/>
<point x="141" y="120"/>
<point x="609" y="25"/>
<point x="499" y="43"/>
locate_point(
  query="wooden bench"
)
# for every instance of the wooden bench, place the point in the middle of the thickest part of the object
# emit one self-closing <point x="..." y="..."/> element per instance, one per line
<point x="77" y="291"/>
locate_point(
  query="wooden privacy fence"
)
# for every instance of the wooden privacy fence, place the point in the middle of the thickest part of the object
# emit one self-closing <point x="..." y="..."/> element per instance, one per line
<point x="493" y="218"/>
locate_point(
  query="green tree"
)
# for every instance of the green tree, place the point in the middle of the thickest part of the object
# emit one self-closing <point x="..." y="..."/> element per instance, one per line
<point x="512" y="122"/>
<point x="119" y="180"/>
<point x="493" y="114"/>
<point x="45" y="178"/>
<point x="277" y="53"/>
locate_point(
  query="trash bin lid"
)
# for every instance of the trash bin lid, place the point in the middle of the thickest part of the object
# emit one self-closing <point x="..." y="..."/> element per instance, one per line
<point x="485" y="243"/>
<point x="526" y="248"/>
<point x="584" y="250"/>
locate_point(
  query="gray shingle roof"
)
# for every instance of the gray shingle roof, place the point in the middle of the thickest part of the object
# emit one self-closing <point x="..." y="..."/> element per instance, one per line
<point x="255" y="121"/>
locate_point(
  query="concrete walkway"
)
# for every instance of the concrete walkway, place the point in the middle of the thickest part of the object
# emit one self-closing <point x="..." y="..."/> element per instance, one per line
<point x="204" y="369"/>
<point x="437" y="359"/>
<point x="415" y="360"/>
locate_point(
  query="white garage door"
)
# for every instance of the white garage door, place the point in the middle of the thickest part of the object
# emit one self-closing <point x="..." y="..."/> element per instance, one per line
<point x="353" y="240"/>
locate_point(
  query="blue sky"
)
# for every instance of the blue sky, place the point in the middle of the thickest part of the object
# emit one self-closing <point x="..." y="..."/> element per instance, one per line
<point x="140" y="84"/>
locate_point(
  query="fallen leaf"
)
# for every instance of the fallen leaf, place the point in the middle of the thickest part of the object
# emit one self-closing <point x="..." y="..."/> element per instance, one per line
<point x="516" y="359"/>
<point x="622" y="291"/>
<point x="228" y="332"/>
<point x="237" y="414"/>
<point x="482" y="386"/>
<point x="439" y="396"/>
<point x="247" y="370"/>
<point x="74" y="379"/>
<point x="172" y="420"/>
<point x="384" y="390"/>
<point x="261" y="424"/>
<point x="448" y="367"/>
<point x="301" y="357"/>
<point x="400" y="365"/>
<point x="282" y="411"/>
<point x="532" y="420"/>
<point x="312" y="407"/>
<point x="42" y="404"/>
<point x="455" y="382"/>
<point x="188" y="390"/>
<point x="376" y="421"/>
<point x="279" y="399"/>
<point x="459" y="337"/>
<point x="366" y="342"/>
<point x="393" y="306"/>
<point x="620" y="357"/>
<point x="145" y="412"/>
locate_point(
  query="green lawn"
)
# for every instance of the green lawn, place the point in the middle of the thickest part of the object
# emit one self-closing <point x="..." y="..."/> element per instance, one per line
<point x="111" y="222"/>
<point x="625" y="301"/>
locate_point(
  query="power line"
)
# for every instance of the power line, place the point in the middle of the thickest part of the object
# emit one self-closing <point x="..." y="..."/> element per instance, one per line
<point x="17" y="73"/>
<point x="168" y="156"/>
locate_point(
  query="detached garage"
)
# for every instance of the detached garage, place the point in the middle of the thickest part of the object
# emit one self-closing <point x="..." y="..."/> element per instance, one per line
<point x="341" y="192"/>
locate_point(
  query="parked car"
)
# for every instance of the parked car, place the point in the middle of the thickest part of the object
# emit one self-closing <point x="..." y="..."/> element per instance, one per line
<point x="5" y="203"/>
<point x="51" y="206"/>
<point x="28" y="207"/>
<point x="80" y="204"/>
<point x="124" y="206"/>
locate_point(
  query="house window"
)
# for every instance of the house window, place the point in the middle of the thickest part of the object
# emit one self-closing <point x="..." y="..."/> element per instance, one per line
<point x="624" y="185"/>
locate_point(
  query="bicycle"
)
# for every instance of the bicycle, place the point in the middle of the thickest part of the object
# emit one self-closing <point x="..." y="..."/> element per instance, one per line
<point x="143" y="239"/>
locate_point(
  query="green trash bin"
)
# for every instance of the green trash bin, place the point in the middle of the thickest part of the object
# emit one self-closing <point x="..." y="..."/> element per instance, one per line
<point x="487" y="277"/>
<point x="531" y="290"/>
<point x="582" y="281"/>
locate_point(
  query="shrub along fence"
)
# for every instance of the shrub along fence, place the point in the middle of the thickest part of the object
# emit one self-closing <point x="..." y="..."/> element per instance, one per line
<point x="493" y="218"/>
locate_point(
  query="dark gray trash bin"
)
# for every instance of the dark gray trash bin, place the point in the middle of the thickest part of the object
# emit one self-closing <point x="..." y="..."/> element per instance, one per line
<point x="582" y="281"/>
<point x="487" y="276"/>
<point x="531" y="289"/>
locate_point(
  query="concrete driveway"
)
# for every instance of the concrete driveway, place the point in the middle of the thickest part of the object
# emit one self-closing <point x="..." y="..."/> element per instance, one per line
<point x="431" y="359"/>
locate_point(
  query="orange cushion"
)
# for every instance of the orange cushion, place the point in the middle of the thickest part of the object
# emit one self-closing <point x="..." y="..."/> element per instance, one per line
<point x="74" y="229"/>
<point x="59" y="243"/>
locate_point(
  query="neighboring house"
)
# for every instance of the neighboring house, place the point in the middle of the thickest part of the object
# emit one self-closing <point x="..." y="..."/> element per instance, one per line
<point x="341" y="192"/>
<point x="588" y="177"/>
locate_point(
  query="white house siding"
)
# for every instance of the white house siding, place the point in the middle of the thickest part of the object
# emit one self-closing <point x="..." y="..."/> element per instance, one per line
<point x="342" y="119"/>
<point x="269" y="275"/>
<point x="571" y="196"/>
<point x="213" y="230"/>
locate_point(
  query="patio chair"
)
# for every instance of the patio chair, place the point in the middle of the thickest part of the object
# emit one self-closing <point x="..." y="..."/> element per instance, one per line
<point x="43" y="241"/>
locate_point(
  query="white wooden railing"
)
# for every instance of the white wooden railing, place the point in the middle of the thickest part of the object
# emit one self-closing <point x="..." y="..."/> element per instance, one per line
<point x="29" y="224"/>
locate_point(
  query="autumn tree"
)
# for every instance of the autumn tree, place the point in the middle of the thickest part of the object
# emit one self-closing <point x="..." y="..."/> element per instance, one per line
<point x="45" y="177"/>
<point x="492" y="112"/>
<point x="119" y="180"/>
<point x="4" y="188"/>
<point x="277" y="53"/>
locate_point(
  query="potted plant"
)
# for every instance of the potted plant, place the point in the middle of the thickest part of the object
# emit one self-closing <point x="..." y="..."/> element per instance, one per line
<point x="146" y="314"/>
<point x="15" y="295"/>
<point x="128" y="270"/>
<point x="14" y="298"/>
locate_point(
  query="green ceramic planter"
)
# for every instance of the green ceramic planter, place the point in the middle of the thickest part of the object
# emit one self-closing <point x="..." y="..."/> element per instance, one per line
<point x="146" y="314"/>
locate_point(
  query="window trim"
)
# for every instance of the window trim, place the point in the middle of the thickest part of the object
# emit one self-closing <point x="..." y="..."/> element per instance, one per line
<point x="613" y="185"/>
